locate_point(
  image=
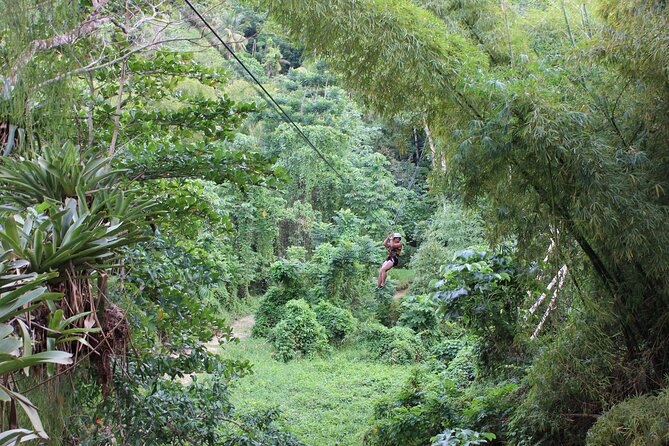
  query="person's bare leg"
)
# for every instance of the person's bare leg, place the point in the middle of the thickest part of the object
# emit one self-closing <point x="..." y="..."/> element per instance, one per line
<point x="387" y="265"/>
<point x="382" y="272"/>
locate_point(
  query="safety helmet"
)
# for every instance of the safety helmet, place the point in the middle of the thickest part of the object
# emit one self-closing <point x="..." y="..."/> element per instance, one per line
<point x="397" y="235"/>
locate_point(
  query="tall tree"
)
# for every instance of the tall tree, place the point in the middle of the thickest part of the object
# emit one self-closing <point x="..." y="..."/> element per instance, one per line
<point x="546" y="141"/>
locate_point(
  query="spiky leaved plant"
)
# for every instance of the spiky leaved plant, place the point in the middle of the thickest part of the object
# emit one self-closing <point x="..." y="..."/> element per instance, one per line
<point x="67" y="212"/>
<point x="20" y="295"/>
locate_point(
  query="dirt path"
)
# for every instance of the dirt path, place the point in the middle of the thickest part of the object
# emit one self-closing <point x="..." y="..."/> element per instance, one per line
<point x="241" y="328"/>
<point x="399" y="295"/>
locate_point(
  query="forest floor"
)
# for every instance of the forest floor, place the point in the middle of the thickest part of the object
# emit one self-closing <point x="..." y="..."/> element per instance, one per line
<point x="242" y="327"/>
<point x="326" y="400"/>
<point x="400" y="294"/>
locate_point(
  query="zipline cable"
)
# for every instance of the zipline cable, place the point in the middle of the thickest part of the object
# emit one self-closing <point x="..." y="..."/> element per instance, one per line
<point x="289" y="120"/>
<point x="282" y="112"/>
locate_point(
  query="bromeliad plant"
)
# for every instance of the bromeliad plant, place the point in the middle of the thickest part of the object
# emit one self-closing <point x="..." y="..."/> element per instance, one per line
<point x="21" y="294"/>
<point x="63" y="217"/>
<point x="71" y="215"/>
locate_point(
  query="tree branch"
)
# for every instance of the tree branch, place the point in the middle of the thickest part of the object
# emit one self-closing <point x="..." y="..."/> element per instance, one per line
<point x="117" y="113"/>
<point x="97" y="65"/>
<point x="92" y="22"/>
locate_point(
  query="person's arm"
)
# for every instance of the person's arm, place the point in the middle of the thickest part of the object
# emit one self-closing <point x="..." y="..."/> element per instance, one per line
<point x="387" y="242"/>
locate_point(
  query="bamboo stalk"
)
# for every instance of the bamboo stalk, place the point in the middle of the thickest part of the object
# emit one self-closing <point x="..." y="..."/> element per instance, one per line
<point x="433" y="148"/>
<point x="587" y="21"/>
<point x="508" y="32"/>
<point x="566" y="19"/>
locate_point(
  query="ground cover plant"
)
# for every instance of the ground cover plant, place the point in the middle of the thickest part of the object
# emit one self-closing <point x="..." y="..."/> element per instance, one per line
<point x="326" y="400"/>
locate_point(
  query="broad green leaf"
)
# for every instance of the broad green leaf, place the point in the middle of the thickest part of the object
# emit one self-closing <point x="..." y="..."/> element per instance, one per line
<point x="5" y="330"/>
<point x="51" y="357"/>
<point x="9" y="345"/>
<point x="30" y="410"/>
<point x="27" y="343"/>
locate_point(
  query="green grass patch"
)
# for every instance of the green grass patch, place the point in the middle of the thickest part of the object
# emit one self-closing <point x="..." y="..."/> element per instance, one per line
<point x="403" y="276"/>
<point x="327" y="401"/>
<point x="243" y="307"/>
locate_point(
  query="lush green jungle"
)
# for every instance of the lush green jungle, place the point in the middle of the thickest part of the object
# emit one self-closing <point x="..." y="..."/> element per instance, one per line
<point x="194" y="199"/>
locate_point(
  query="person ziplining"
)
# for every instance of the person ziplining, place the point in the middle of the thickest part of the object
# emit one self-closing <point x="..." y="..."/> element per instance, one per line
<point x="394" y="246"/>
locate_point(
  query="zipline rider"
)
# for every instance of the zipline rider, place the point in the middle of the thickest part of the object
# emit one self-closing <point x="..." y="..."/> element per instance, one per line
<point x="394" y="247"/>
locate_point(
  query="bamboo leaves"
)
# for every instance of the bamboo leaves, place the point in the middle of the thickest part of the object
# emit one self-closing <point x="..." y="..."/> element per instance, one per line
<point x="391" y="51"/>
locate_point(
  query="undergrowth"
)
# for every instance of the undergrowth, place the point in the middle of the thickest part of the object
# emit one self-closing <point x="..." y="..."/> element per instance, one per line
<point x="404" y="277"/>
<point x="326" y="401"/>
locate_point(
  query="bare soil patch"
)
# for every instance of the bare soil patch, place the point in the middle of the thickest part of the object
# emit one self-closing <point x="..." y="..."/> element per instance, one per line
<point x="241" y="328"/>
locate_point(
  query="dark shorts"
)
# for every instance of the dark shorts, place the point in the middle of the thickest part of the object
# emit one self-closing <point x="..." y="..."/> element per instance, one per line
<point x="394" y="258"/>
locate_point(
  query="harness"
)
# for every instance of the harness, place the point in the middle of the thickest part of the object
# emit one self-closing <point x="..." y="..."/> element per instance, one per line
<point x="395" y="252"/>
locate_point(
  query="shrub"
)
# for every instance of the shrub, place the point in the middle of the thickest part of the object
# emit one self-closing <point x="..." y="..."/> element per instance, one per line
<point x="431" y="255"/>
<point x="462" y="368"/>
<point x="488" y="406"/>
<point x="338" y="322"/>
<point x="385" y="306"/>
<point x="483" y="290"/>
<point x="430" y="402"/>
<point x="418" y="313"/>
<point x="395" y="345"/>
<point x="289" y="273"/>
<point x="571" y="376"/>
<point x="451" y="229"/>
<point x="261" y="427"/>
<point x="640" y="421"/>
<point x="298" y="333"/>
<point x="270" y="310"/>
<point x="464" y="437"/>
<point x="447" y="350"/>
<point x="421" y="409"/>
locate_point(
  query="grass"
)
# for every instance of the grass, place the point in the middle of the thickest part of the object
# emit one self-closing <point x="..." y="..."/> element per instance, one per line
<point x="403" y="276"/>
<point x="326" y="401"/>
<point x="243" y="307"/>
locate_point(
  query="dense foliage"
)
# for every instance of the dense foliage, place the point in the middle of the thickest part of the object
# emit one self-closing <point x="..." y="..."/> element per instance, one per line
<point x="149" y="198"/>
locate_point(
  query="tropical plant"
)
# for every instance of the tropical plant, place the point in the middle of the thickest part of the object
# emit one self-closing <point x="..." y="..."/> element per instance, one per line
<point x="74" y="218"/>
<point x="483" y="290"/>
<point x="642" y="421"/>
<point x="21" y="294"/>
<point x="395" y="345"/>
<point x="65" y="217"/>
<point x="419" y="314"/>
<point x="462" y="437"/>
<point x="338" y="322"/>
<point x="539" y="138"/>
<point x="421" y="409"/>
<point x="298" y="333"/>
